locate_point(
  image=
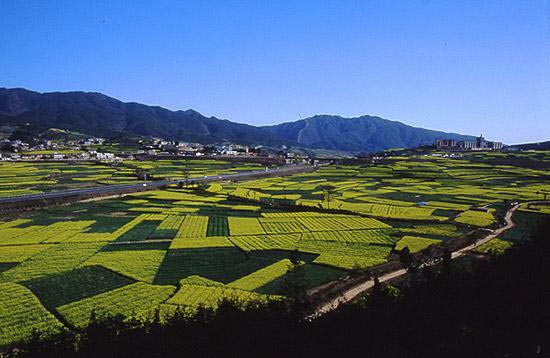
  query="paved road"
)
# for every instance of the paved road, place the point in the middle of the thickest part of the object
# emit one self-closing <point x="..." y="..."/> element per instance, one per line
<point x="353" y="292"/>
<point x="149" y="185"/>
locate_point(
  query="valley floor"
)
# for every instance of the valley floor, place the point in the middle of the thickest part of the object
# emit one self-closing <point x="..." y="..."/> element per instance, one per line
<point x="179" y="249"/>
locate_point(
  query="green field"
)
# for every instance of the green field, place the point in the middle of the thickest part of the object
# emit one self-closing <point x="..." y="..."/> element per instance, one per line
<point x="175" y="249"/>
<point x="24" y="178"/>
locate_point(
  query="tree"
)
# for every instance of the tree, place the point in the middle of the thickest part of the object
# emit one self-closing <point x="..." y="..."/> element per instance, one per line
<point x="142" y="174"/>
<point x="328" y="193"/>
<point x="405" y="257"/>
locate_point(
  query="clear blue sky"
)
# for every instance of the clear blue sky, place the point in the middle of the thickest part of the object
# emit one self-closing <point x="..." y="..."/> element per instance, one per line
<point x="468" y="66"/>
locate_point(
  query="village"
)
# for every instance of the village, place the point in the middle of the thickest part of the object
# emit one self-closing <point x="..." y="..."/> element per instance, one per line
<point x="100" y="149"/>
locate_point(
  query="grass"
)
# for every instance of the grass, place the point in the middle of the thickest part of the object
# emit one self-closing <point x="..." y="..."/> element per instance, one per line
<point x="20" y="253"/>
<point x="74" y="285"/>
<point x="127" y="301"/>
<point x="193" y="226"/>
<point x="55" y="259"/>
<point x="262" y="277"/>
<point x="382" y="237"/>
<point x="476" y="218"/>
<point x="314" y="276"/>
<point x="193" y="296"/>
<point x="415" y="243"/>
<point x="496" y="246"/>
<point x="21" y="314"/>
<point x="244" y="226"/>
<point x="213" y="263"/>
<point x="141" y="265"/>
<point x="89" y="255"/>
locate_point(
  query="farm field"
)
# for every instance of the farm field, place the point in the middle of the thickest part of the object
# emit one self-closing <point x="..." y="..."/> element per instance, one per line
<point x="25" y="178"/>
<point x="422" y="188"/>
<point x="176" y="249"/>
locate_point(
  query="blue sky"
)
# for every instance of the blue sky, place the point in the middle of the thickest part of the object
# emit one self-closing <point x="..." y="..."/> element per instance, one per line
<point x="467" y="66"/>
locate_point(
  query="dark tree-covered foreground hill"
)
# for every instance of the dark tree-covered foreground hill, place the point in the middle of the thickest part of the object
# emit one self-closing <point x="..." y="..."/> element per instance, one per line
<point x="498" y="308"/>
<point x="99" y="115"/>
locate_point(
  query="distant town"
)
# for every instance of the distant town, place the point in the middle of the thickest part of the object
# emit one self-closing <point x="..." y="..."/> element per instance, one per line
<point x="99" y="149"/>
<point x="479" y="143"/>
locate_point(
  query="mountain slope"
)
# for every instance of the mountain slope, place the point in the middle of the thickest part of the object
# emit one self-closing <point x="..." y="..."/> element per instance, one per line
<point x="533" y="146"/>
<point x="366" y="133"/>
<point x="99" y="115"/>
<point x="103" y="116"/>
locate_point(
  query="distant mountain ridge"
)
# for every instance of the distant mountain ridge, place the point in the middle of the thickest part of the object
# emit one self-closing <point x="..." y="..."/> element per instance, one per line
<point x="365" y="133"/>
<point x="96" y="114"/>
<point x="533" y="146"/>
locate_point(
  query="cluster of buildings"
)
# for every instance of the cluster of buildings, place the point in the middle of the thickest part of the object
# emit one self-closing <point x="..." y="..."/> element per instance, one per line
<point x="165" y="147"/>
<point x="479" y="143"/>
<point x="96" y="149"/>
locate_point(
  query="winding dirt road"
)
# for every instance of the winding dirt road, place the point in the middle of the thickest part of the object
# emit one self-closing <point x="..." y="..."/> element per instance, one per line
<point x="355" y="291"/>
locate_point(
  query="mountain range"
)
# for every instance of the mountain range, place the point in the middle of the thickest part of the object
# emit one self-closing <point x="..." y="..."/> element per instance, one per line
<point x="99" y="115"/>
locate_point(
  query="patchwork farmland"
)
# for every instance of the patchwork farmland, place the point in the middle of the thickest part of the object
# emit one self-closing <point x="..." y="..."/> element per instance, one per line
<point x="178" y="249"/>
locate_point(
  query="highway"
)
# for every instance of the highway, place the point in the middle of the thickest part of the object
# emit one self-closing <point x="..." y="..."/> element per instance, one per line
<point x="151" y="185"/>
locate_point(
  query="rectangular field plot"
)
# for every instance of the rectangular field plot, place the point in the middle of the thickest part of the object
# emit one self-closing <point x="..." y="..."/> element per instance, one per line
<point x="56" y="259"/>
<point x="244" y="226"/>
<point x="266" y="242"/>
<point x="141" y="265"/>
<point x="346" y="255"/>
<point x="217" y="226"/>
<point x="191" y="243"/>
<point x="168" y="228"/>
<point x="415" y="243"/>
<point x="84" y="237"/>
<point x="55" y="232"/>
<point x="296" y="214"/>
<point x="193" y="296"/>
<point x="21" y="236"/>
<point x="393" y="211"/>
<point x="495" y="246"/>
<point x="381" y="236"/>
<point x="314" y="276"/>
<point x="19" y="253"/>
<point x="436" y="230"/>
<point x="139" y="232"/>
<point x="282" y="227"/>
<point x="341" y="223"/>
<point x="21" y="313"/>
<point x="262" y="277"/>
<point x="213" y="263"/>
<point x="60" y="289"/>
<point x="126" y="301"/>
<point x="193" y="226"/>
<point x="135" y="222"/>
<point x="476" y="218"/>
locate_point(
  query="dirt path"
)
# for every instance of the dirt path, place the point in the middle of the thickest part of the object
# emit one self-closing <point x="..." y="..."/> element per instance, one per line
<point x="353" y="292"/>
<point x="497" y="232"/>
